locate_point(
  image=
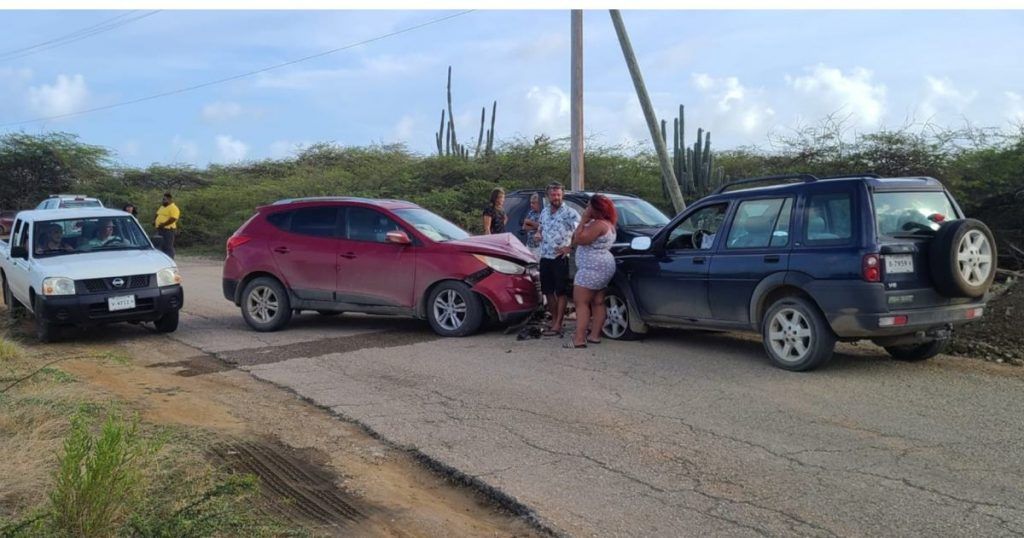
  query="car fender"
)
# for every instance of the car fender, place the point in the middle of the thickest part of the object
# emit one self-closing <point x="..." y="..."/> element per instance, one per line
<point x="757" y="298"/>
<point x="636" y="323"/>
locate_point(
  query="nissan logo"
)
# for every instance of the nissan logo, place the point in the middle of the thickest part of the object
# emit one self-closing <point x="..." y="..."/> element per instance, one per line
<point x="117" y="282"/>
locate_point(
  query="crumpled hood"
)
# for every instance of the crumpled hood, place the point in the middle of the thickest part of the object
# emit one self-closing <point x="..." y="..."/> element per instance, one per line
<point x="505" y="245"/>
<point x="104" y="264"/>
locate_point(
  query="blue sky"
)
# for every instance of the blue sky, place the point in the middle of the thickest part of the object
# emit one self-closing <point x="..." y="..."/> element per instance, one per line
<point x="741" y="74"/>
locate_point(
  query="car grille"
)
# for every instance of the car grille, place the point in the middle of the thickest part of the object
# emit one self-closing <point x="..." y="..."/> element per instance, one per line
<point x="96" y="285"/>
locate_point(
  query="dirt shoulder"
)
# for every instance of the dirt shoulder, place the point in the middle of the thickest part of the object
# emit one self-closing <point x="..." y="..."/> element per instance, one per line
<point x="325" y="475"/>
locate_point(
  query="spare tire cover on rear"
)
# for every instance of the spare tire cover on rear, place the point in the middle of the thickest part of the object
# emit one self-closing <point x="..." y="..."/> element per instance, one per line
<point x="963" y="258"/>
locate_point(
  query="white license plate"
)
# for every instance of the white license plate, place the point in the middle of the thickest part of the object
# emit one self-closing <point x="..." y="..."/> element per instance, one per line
<point x="902" y="263"/>
<point x="126" y="302"/>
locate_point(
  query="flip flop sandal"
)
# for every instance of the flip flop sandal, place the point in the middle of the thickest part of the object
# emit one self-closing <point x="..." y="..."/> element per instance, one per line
<point x="551" y="332"/>
<point x="595" y="342"/>
<point x="572" y="345"/>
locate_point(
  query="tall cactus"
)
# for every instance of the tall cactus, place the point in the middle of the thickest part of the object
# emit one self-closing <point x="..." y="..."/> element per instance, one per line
<point x="448" y="142"/>
<point x="694" y="165"/>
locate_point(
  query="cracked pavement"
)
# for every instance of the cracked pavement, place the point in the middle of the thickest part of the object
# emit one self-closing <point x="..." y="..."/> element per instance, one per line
<point x="683" y="434"/>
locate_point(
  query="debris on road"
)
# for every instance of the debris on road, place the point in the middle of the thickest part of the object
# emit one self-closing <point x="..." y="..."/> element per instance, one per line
<point x="999" y="337"/>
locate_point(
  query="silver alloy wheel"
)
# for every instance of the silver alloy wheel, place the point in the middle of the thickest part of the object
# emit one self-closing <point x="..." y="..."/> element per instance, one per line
<point x="789" y="334"/>
<point x="450" y="310"/>
<point x="262" y="304"/>
<point x="615" y="323"/>
<point x="974" y="258"/>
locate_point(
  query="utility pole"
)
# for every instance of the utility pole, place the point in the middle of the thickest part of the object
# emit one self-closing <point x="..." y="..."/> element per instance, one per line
<point x="668" y="176"/>
<point x="576" y="113"/>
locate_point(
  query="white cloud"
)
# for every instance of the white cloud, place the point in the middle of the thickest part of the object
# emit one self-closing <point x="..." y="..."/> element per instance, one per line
<point x="830" y="90"/>
<point x="942" y="97"/>
<point x="549" y="106"/>
<point x="66" y="95"/>
<point x="280" y="149"/>
<point x="1016" y="107"/>
<point x="231" y="150"/>
<point x="184" y="150"/>
<point x="734" y="106"/>
<point x="221" y="111"/>
<point x="404" y="128"/>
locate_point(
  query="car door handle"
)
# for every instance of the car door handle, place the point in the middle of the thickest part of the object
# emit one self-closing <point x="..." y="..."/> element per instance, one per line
<point x="282" y="250"/>
<point x="772" y="258"/>
<point x="348" y="255"/>
<point x="699" y="260"/>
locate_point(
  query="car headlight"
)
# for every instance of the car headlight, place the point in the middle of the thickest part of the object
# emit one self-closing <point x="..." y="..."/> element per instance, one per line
<point x="58" y="285"/>
<point x="500" y="265"/>
<point x="168" y="277"/>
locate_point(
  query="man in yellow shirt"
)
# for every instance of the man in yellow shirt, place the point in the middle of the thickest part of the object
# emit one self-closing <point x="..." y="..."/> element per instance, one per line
<point x="167" y="223"/>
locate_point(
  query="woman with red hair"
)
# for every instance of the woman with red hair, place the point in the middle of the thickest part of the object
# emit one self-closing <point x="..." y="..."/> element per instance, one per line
<point x="595" y="267"/>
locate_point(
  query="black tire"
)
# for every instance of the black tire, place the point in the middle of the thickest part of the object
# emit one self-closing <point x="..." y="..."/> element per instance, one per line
<point x="454" y="310"/>
<point x="794" y="323"/>
<point x="14" y="308"/>
<point x="168" y="323"/>
<point x="958" y="246"/>
<point x="275" y="310"/>
<point x="917" y="352"/>
<point x="46" y="332"/>
<point x="616" y="325"/>
<point x="329" y="313"/>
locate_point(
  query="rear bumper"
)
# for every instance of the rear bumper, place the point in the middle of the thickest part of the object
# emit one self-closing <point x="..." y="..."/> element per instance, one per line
<point x="230" y="290"/>
<point x="869" y="325"/>
<point x="151" y="304"/>
<point x="513" y="296"/>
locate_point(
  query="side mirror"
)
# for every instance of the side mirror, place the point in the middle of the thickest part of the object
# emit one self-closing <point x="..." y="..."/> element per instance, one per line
<point x="158" y="241"/>
<point x="19" y="252"/>
<point x="398" y="238"/>
<point x="640" y="244"/>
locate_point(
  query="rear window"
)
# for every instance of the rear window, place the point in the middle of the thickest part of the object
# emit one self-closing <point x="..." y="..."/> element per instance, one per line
<point x="909" y="213"/>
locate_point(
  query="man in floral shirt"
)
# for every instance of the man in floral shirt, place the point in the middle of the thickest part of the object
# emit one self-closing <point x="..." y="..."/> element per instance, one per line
<point x="557" y="223"/>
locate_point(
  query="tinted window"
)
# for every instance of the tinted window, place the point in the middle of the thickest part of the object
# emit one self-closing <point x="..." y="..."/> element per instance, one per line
<point x="898" y="213"/>
<point x="280" y="220"/>
<point x="706" y="219"/>
<point x="315" y="221"/>
<point x="756" y="223"/>
<point x="365" y="224"/>
<point x="829" y="218"/>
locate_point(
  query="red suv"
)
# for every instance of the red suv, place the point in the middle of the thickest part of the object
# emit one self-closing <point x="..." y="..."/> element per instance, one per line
<point x="338" y="254"/>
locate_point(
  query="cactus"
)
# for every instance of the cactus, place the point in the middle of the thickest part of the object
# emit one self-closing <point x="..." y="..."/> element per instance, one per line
<point x="694" y="165"/>
<point x="448" y="142"/>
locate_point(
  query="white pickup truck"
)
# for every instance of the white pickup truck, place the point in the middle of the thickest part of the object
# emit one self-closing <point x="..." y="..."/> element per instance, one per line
<point x="87" y="267"/>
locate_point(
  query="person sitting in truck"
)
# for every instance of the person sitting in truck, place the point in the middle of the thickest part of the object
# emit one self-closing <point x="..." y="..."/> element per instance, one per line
<point x="104" y="235"/>
<point x="52" y="240"/>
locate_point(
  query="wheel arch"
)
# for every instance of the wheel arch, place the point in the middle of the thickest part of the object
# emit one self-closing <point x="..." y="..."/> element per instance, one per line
<point x="771" y="289"/>
<point x="424" y="299"/>
<point x="253" y="276"/>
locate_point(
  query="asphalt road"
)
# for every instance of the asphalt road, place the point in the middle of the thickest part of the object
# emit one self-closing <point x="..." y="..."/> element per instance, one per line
<point x="682" y="434"/>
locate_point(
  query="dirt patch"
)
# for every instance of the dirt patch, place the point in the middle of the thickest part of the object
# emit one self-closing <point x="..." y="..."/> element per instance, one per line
<point x="296" y="485"/>
<point x="384" y="490"/>
<point x="999" y="336"/>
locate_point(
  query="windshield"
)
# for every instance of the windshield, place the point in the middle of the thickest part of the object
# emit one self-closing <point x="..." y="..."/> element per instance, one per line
<point x="635" y="213"/>
<point x="71" y="204"/>
<point x="431" y="225"/>
<point x="912" y="213"/>
<point x="74" y="236"/>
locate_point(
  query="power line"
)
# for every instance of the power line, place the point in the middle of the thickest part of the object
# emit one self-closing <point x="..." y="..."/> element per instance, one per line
<point x="78" y="35"/>
<point x="241" y="75"/>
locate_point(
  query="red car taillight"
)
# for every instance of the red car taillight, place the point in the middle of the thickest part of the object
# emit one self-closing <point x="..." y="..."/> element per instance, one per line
<point x="871" y="269"/>
<point x="236" y="241"/>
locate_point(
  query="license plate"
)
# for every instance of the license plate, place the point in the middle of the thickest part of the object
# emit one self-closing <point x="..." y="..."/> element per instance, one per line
<point x="902" y="263"/>
<point x="126" y="302"/>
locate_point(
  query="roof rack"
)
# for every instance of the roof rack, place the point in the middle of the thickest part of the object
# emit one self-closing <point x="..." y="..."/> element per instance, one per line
<point x="851" y="176"/>
<point x="806" y="178"/>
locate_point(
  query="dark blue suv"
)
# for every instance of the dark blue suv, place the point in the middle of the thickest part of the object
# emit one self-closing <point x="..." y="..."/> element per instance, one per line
<point x="811" y="261"/>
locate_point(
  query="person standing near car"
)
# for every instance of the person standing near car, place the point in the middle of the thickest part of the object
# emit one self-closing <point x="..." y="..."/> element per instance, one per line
<point x="494" y="214"/>
<point x="131" y="210"/>
<point x="595" y="268"/>
<point x="557" y="224"/>
<point x="531" y="223"/>
<point x="167" y="216"/>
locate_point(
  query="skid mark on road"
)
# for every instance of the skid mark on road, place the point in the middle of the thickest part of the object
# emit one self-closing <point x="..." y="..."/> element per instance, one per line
<point x="400" y="336"/>
<point x="193" y="366"/>
<point x="291" y="485"/>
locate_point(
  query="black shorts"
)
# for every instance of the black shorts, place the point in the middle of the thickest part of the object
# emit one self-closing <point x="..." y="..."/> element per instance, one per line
<point x="554" y="276"/>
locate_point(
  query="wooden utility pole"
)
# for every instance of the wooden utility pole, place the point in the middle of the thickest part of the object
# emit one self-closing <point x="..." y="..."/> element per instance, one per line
<point x="576" y="113"/>
<point x="668" y="176"/>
